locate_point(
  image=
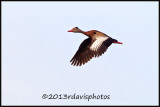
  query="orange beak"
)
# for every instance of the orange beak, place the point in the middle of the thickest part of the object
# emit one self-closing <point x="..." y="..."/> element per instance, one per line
<point x="70" y="30"/>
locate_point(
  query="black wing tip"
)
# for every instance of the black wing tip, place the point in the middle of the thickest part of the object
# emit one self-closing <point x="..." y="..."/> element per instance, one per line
<point x="75" y="62"/>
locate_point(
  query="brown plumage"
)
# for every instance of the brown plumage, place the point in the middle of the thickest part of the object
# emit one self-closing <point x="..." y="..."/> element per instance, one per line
<point x="94" y="46"/>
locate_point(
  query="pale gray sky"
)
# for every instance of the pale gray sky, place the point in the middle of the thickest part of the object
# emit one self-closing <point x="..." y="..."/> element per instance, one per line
<point x="36" y="50"/>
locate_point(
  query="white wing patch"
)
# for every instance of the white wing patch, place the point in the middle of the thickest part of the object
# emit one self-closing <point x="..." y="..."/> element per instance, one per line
<point x="98" y="42"/>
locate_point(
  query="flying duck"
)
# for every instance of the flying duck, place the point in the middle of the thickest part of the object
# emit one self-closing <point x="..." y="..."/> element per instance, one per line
<point x="94" y="46"/>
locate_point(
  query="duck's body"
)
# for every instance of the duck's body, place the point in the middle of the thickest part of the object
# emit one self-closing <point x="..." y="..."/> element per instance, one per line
<point x="94" y="46"/>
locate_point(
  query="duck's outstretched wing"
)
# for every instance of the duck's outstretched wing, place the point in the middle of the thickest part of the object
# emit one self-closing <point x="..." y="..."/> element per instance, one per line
<point x="88" y="49"/>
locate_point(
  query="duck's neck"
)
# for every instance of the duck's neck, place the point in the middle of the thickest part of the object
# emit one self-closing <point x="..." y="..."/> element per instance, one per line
<point x="87" y="34"/>
<point x="83" y="32"/>
<point x="80" y="31"/>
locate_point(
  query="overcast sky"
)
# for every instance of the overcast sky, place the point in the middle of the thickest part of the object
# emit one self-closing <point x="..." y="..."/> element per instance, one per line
<point x="36" y="50"/>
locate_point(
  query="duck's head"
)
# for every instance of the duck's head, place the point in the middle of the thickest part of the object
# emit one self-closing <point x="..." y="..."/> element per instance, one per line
<point x="75" y="30"/>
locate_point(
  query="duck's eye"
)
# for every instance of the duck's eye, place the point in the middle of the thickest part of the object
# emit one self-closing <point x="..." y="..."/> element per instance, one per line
<point x="94" y="32"/>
